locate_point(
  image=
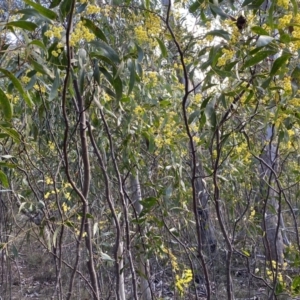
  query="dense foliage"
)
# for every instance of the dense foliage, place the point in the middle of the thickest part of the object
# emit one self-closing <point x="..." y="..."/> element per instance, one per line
<point x="151" y="149"/>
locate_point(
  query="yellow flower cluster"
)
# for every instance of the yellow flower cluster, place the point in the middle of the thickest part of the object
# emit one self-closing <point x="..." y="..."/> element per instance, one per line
<point x="51" y="146"/>
<point x="285" y="21"/>
<point x="48" y="180"/>
<point x="92" y="9"/>
<point x="294" y="102"/>
<point x="40" y="88"/>
<point x="65" y="207"/>
<point x="151" y="78"/>
<point x="81" y="33"/>
<point x="242" y="151"/>
<point x="25" y="79"/>
<point x="182" y="283"/>
<point x="12" y="98"/>
<point x="172" y="257"/>
<point x="152" y="27"/>
<point x="167" y="133"/>
<point x="141" y="34"/>
<point x="287" y="86"/>
<point x="283" y="3"/>
<point x="54" y="32"/>
<point x="197" y="99"/>
<point x="227" y="55"/>
<point x="153" y="24"/>
<point x="58" y="50"/>
<point x="138" y="110"/>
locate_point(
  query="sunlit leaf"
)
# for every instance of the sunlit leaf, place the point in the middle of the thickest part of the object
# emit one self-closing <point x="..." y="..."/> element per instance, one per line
<point x="258" y="58"/>
<point x="3" y="179"/>
<point x="50" y="14"/>
<point x="220" y="33"/>
<point x="279" y="62"/>
<point x="23" y="24"/>
<point x="162" y="47"/>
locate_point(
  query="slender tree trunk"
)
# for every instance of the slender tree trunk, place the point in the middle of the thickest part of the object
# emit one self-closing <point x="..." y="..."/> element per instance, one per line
<point x="273" y="239"/>
<point x="143" y="261"/>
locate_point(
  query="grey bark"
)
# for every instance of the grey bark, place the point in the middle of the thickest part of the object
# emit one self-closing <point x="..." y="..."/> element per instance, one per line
<point x="144" y="266"/>
<point x="273" y="239"/>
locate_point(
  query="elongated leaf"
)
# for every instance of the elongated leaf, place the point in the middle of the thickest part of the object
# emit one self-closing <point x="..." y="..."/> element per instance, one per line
<point x="95" y="29"/>
<point x="50" y="14"/>
<point x="258" y="58"/>
<point x="5" y="105"/>
<point x="106" y="51"/>
<point x="259" y="30"/>
<point x="162" y="47"/>
<point x="11" y="132"/>
<point x="117" y="84"/>
<point x="54" y="3"/>
<point x="131" y="67"/>
<point x="218" y="10"/>
<point x="18" y="86"/>
<point x="295" y="6"/>
<point x="65" y="7"/>
<point x="3" y="179"/>
<point x="221" y="33"/>
<point x="279" y="62"/>
<point x="96" y="73"/>
<point x="195" y="6"/>
<point x="23" y="24"/>
<point x="54" y="89"/>
<point x="39" y="44"/>
<point x="210" y="114"/>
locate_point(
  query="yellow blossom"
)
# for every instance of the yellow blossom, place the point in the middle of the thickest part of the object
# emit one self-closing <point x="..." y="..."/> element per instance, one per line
<point x="81" y="33"/>
<point x="48" y="180"/>
<point x="92" y="9"/>
<point x="46" y="196"/>
<point x="25" y="79"/>
<point x="51" y="146"/>
<point x="54" y="53"/>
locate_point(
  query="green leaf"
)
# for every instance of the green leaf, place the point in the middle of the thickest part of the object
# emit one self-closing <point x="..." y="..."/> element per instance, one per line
<point x="218" y="11"/>
<point x="259" y="30"/>
<point x="246" y="2"/>
<point x="10" y="132"/>
<point x="296" y="284"/>
<point x="95" y="29"/>
<point x="195" y="6"/>
<point x="23" y="24"/>
<point x="220" y="32"/>
<point x="258" y="58"/>
<point x="96" y="73"/>
<point x="65" y="7"/>
<point x="50" y="14"/>
<point x="18" y="86"/>
<point x="295" y="6"/>
<point x="279" y="62"/>
<point x="39" y="44"/>
<point x="131" y="67"/>
<point x="210" y="115"/>
<point x="162" y="47"/>
<point x="54" y="3"/>
<point x="4" y="180"/>
<point x="55" y="86"/>
<point x="117" y="84"/>
<point x="5" y="106"/>
<point x="103" y="50"/>
<point x="194" y="116"/>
